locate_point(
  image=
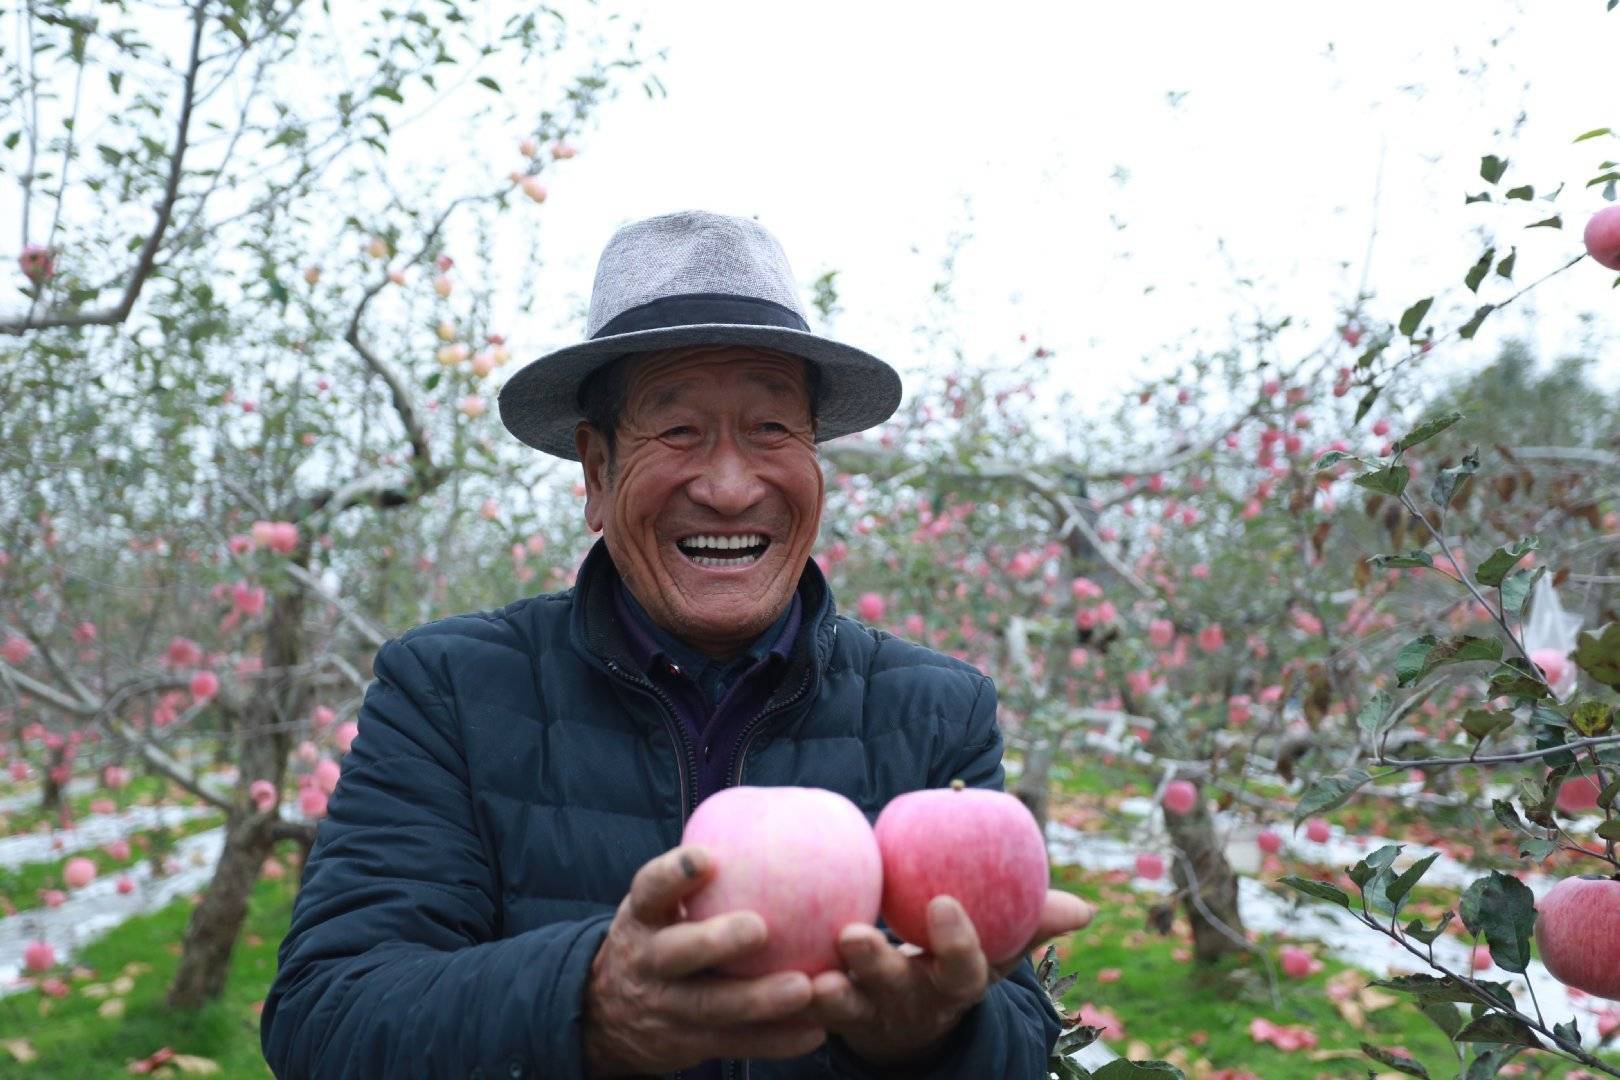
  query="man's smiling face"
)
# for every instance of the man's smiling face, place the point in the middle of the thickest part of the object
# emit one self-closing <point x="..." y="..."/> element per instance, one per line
<point x="713" y="496"/>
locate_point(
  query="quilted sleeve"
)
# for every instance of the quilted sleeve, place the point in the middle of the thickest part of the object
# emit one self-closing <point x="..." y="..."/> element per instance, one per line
<point x="391" y="967"/>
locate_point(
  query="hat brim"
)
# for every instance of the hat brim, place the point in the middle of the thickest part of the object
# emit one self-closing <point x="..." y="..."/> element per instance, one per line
<point x="540" y="403"/>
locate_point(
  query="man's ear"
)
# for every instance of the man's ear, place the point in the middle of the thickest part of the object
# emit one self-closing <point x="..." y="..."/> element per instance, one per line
<point x="592" y="450"/>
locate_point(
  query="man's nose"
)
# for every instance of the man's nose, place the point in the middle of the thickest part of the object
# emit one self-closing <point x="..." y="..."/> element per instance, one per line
<point x="730" y="483"/>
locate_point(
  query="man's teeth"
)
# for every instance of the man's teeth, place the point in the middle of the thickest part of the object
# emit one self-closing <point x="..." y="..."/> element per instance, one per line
<point x="739" y="550"/>
<point x="723" y="542"/>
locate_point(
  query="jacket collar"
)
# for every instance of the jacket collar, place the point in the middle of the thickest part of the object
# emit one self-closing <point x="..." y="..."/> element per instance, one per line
<point x="596" y="633"/>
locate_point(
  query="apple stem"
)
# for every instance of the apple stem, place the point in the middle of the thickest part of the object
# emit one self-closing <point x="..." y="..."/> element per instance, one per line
<point x="957" y="785"/>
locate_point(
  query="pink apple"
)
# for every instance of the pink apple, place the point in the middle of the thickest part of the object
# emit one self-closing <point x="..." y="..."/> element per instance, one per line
<point x="1297" y="963"/>
<point x="534" y="189"/>
<point x="326" y="775"/>
<point x="1269" y="841"/>
<point x="39" y="956"/>
<point x="85" y="632"/>
<point x="982" y="848"/>
<point x="1149" y="867"/>
<point x="115" y="776"/>
<point x="1603" y="237"/>
<point x="312" y="802"/>
<point x="263" y="794"/>
<point x="1555" y="669"/>
<point x="870" y="607"/>
<point x="1482" y="958"/>
<point x="117" y="850"/>
<point x="322" y="716"/>
<point x="182" y="652"/>
<point x="1578" y="932"/>
<point x="1317" y="831"/>
<point x="53" y="898"/>
<point x="1578" y="794"/>
<point x="343" y="735"/>
<point x="1211" y="638"/>
<point x="79" y="872"/>
<point x="308" y="752"/>
<point x="1180" y="797"/>
<point x="472" y="406"/>
<point x="15" y="649"/>
<point x="805" y="860"/>
<point x="126" y="885"/>
<point x="273" y="870"/>
<point x="38" y="263"/>
<point x="204" y="685"/>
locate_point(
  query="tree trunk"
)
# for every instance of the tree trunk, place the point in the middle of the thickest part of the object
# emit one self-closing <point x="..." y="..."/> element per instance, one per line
<point x="1034" y="786"/>
<point x="1211" y="906"/>
<point x="51" y="790"/>
<point x="265" y="740"/>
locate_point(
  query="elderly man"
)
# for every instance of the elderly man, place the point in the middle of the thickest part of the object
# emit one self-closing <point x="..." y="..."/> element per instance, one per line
<point x="497" y="889"/>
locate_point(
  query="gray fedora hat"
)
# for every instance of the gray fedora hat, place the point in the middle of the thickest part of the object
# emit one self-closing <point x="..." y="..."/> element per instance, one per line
<point x="693" y="278"/>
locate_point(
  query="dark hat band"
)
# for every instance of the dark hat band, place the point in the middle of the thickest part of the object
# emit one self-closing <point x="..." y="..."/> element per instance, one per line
<point x="697" y="309"/>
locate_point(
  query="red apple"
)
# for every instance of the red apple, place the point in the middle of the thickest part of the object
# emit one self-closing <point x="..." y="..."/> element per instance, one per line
<point x="1603" y="237"/>
<point x="1149" y="867"/>
<point x="1578" y="794"/>
<point x="1482" y="958"/>
<point x="1180" y="797"/>
<point x="1578" y="932"/>
<point x="1297" y="963"/>
<point x="981" y="847"/>
<point x="39" y="956"/>
<point x="1269" y="841"/>
<point x="1317" y="831"/>
<point x="78" y="873"/>
<point x="804" y="859"/>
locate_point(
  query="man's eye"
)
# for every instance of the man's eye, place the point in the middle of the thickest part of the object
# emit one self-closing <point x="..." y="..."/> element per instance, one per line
<point x="773" y="426"/>
<point x="676" y="432"/>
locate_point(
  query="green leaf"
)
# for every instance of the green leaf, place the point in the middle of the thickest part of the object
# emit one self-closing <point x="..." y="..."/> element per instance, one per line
<point x="1374" y="713"/>
<point x="1395" y="1060"/>
<point x="1595" y="132"/>
<point x="1554" y="222"/>
<point x="1499" y="562"/>
<point x="1412" y="317"/>
<point x="1504" y="909"/>
<point x="1598" y="654"/>
<point x="1610" y="794"/>
<point x="1606" y="178"/>
<point x="1569" y="1031"/>
<point x="1332" y="458"/>
<point x="1448" y="481"/>
<point x="486" y="81"/>
<point x="1591" y="719"/>
<point x="1446" y="1016"/>
<point x="1427" y="430"/>
<point x="1495" y="1027"/>
<point x="1483" y="196"/>
<point x="1364" y="406"/>
<point x="1441" y="988"/>
<point x="1525" y="192"/>
<point x="1120" y="1069"/>
<point x="1488" y="1064"/>
<point x="1401" y="562"/>
<point x="1477" y="272"/>
<point x="1481" y="724"/>
<point x="1329" y="793"/>
<point x="1319" y="889"/>
<point x="1422" y="655"/>
<point x="1402" y="885"/>
<point x="432" y="382"/>
<point x="1492" y="167"/>
<point x="1516" y="679"/>
<point x="1504" y="269"/>
<point x="1428" y="934"/>
<point x="1468" y="329"/>
<point x="1610" y="830"/>
<point x="389" y="93"/>
<point x="1516" y="589"/>
<point x="1390" y="480"/>
<point x="1374" y="864"/>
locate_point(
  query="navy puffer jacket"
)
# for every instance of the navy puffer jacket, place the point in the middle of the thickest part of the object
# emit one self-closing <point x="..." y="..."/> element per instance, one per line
<point x="511" y="774"/>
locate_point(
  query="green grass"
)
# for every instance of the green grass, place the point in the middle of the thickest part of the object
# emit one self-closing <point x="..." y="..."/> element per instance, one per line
<point x="141" y="790"/>
<point x="21" y="885"/>
<point x="73" y="1042"/>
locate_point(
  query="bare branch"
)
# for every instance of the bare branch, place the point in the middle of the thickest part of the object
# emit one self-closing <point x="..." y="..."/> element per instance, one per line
<point x="366" y="628"/>
<point x="1499" y="759"/>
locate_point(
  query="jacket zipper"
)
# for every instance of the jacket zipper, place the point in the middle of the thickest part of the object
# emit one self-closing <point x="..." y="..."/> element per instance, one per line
<point x="683" y="745"/>
<point x="746" y="739"/>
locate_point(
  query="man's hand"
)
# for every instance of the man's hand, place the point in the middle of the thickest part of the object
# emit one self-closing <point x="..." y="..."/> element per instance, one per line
<point x="896" y="1006"/>
<point x="650" y="1009"/>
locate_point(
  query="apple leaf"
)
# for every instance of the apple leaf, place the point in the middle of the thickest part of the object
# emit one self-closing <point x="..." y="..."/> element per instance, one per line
<point x="1395" y="1060"/>
<point x="1501" y="1028"/>
<point x="1477" y="272"/>
<point x="1374" y="713"/>
<point x="1447" y="481"/>
<point x="1427" y="430"/>
<point x="1504" y="909"/>
<point x="1428" y="934"/>
<point x="1412" y="317"/>
<point x="1446" y="1016"/>
<point x="1394" y="894"/>
<point x="1504" y="269"/>
<point x="1492" y="167"/>
<point x="1554" y="222"/>
<point x="1319" y="889"/>
<point x="1487" y="1064"/>
<point x="1591" y="719"/>
<point x="1329" y="793"/>
<point x="1443" y="988"/>
<point x="1525" y="192"/>
<point x="1598" y="654"/>
<point x="1481" y="724"/>
<point x="1422" y="655"/>
<point x="1610" y="830"/>
<point x="1401" y="562"/>
<point x="1374" y="864"/>
<point x="1516" y="679"/>
<point x="1496" y="566"/>
<point x="1516" y="589"/>
<point x="1468" y="329"/>
<point x="1595" y="132"/>
<point x="1390" y="480"/>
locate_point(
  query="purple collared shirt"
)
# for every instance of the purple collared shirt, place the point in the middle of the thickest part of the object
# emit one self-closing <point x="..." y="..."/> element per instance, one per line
<point x="714" y="727"/>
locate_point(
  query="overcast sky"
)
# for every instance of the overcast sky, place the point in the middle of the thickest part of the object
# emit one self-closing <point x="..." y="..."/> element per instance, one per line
<point x="1100" y="154"/>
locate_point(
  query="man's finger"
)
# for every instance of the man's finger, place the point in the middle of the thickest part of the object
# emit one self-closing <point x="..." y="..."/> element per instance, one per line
<point x="959" y="969"/>
<point x="1064" y="913"/>
<point x="687" y="948"/>
<point x="873" y="963"/>
<point x="721" y="1001"/>
<point x="659" y="886"/>
<point x="839" y="1002"/>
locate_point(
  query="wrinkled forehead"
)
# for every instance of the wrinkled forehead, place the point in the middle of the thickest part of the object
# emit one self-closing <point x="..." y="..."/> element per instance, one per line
<point x="672" y="376"/>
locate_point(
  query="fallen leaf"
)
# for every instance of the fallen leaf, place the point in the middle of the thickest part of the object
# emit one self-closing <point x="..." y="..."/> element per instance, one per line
<point x="123" y="984"/>
<point x="111" y="1009"/>
<point x="21" y="1049"/>
<point x="97" y="991"/>
<point x="201" y="1066"/>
